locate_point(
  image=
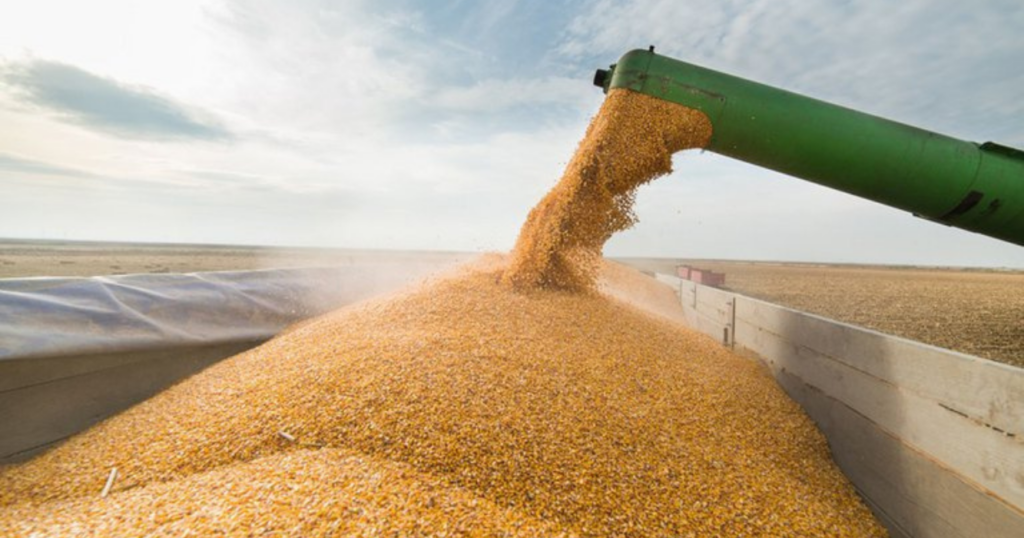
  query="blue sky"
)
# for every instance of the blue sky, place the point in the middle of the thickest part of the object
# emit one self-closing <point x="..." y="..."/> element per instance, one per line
<point x="437" y="125"/>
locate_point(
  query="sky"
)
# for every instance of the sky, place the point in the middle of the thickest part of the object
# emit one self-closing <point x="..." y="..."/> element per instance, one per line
<point x="401" y="124"/>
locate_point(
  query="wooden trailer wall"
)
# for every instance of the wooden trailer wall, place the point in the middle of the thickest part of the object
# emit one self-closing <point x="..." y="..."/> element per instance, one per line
<point x="933" y="439"/>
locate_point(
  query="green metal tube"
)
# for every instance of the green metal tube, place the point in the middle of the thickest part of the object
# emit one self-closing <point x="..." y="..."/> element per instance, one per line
<point x="957" y="183"/>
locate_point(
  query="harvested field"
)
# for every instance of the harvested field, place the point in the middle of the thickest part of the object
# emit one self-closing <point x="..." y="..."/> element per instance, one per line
<point x="563" y="413"/>
<point x="980" y="313"/>
<point x="20" y="258"/>
<point x="972" y="311"/>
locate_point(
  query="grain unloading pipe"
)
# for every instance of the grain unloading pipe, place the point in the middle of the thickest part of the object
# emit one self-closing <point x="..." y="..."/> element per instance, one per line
<point x="977" y="187"/>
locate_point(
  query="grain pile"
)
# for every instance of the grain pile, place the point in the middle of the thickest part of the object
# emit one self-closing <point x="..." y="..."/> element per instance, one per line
<point x="467" y="407"/>
<point x="571" y="411"/>
<point x="328" y="492"/>
<point x="630" y="142"/>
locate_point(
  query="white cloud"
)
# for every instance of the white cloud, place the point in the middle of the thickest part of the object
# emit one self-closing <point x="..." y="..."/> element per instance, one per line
<point x="107" y="105"/>
<point x="496" y="95"/>
<point x="320" y="67"/>
<point x="165" y="45"/>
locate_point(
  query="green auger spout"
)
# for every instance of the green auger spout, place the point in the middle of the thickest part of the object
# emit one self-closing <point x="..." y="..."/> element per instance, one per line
<point x="977" y="187"/>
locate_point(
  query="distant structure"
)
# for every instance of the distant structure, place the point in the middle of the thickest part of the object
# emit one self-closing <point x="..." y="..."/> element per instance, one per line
<point x="701" y="276"/>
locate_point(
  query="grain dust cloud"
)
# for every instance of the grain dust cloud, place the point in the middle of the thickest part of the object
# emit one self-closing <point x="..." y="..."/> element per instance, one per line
<point x="466" y="407"/>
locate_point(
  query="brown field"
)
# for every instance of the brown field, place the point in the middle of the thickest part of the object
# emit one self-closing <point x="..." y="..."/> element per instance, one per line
<point x="973" y="311"/>
<point x="28" y="258"/>
<point x="979" y="312"/>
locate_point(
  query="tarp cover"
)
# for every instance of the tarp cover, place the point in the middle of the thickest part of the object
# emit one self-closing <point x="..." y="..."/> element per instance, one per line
<point x="46" y="317"/>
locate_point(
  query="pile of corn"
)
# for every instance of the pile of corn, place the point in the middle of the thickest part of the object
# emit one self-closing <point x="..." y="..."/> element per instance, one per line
<point x="463" y="406"/>
<point x="306" y="492"/>
<point x="629" y="143"/>
<point x="537" y="413"/>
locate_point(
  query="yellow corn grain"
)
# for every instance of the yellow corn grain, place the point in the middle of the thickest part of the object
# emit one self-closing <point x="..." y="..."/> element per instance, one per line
<point x="629" y="143"/>
<point x="576" y="410"/>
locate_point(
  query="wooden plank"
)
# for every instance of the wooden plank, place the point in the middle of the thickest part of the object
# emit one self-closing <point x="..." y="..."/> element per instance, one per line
<point x="33" y="417"/>
<point x="673" y="281"/>
<point x="984" y="456"/>
<point x="973" y="487"/>
<point x="708" y="302"/>
<point x="719" y="311"/>
<point x="989" y="392"/>
<point x="687" y="293"/>
<point x="910" y="493"/>
<point x="708" y="326"/>
<point x="715" y="294"/>
<point x="688" y="299"/>
<point x="707" y="310"/>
